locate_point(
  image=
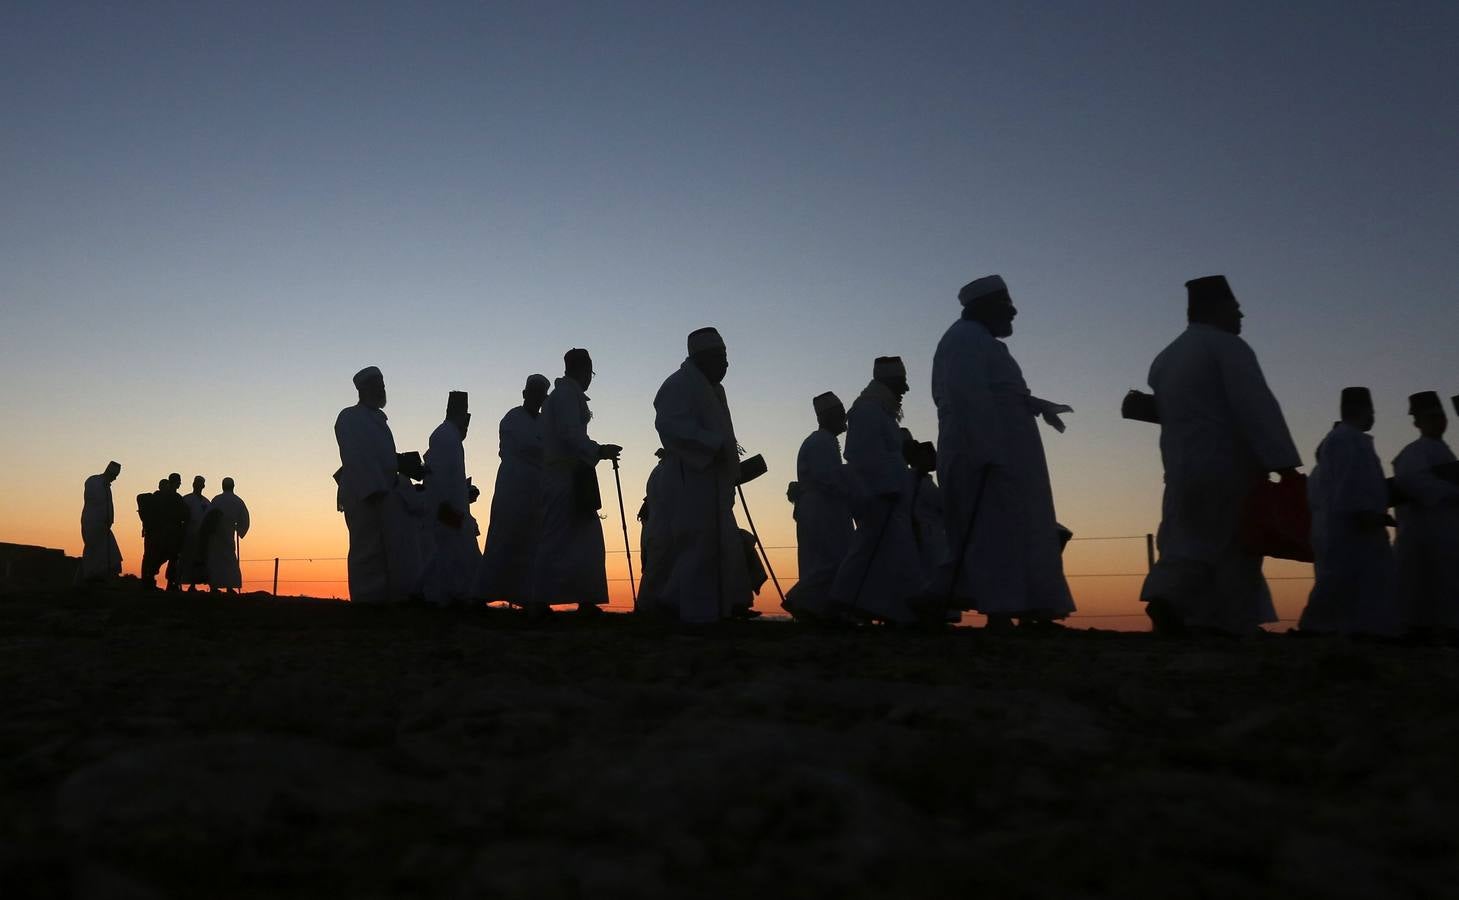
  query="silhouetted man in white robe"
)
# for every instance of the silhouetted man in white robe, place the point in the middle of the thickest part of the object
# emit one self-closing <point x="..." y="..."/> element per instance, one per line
<point x="192" y="562"/>
<point x="882" y="573"/>
<point x="1221" y="434"/>
<point x="101" y="558"/>
<point x="453" y="559"/>
<point x="823" y="525"/>
<point x="707" y="578"/>
<point x="1348" y="495"/>
<point x="570" y="566"/>
<point x="929" y="524"/>
<point x="1002" y="535"/>
<point x="655" y="539"/>
<point x="1428" y="525"/>
<point x="505" y="572"/>
<point x="384" y="557"/>
<point x="224" y="572"/>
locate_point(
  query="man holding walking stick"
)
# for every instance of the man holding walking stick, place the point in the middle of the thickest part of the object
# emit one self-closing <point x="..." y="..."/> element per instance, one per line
<point x="707" y="578"/>
<point x="882" y="574"/>
<point x="1005" y="542"/>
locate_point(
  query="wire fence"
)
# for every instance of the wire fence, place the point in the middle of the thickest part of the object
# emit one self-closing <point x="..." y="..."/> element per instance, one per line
<point x="303" y="575"/>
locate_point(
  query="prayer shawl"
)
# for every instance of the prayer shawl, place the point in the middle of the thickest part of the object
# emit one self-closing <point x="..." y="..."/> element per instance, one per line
<point x="1353" y="592"/>
<point x="1428" y="537"/>
<point x="999" y="506"/>
<point x="1221" y="432"/>
<point x="505" y="572"/>
<point x="707" y="578"/>
<point x="569" y="566"/>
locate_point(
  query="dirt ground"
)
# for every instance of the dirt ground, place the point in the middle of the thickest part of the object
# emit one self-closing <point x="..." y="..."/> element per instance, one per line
<point x="193" y="746"/>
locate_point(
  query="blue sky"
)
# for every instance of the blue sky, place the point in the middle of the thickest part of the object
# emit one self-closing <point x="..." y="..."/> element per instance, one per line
<point x="215" y="213"/>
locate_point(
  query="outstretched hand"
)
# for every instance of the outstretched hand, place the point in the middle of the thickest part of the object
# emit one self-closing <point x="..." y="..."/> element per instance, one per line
<point x="609" y="451"/>
<point x="1051" y="413"/>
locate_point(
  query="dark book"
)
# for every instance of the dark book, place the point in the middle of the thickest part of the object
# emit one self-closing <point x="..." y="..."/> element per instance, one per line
<point x="1140" y="407"/>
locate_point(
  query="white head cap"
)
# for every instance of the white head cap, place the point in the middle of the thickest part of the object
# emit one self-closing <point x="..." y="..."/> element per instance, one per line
<point x="367" y="375"/>
<point x="888" y="367"/>
<point x="827" y="402"/>
<point x="538" y="382"/>
<point x="981" y="287"/>
<point x="704" y="339"/>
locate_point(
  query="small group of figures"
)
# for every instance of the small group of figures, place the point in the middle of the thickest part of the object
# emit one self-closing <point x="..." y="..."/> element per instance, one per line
<point x="194" y="538"/>
<point x="879" y="538"/>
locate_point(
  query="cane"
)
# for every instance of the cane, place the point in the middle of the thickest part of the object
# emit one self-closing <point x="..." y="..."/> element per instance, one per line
<point x="623" y="517"/>
<point x="761" y="544"/>
<point x="957" y="568"/>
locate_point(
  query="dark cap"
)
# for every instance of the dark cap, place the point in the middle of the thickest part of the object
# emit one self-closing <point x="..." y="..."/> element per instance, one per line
<point x="1423" y="402"/>
<point x="1209" y="293"/>
<point x="456" y="404"/>
<point x="1356" y="398"/>
<point x="577" y="356"/>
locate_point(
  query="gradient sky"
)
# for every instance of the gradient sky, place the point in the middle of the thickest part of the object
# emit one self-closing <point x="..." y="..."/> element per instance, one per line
<point x="216" y="213"/>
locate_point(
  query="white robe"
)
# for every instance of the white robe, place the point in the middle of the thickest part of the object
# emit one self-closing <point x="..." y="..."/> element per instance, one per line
<point x="707" y="578"/>
<point x="446" y="577"/>
<point x="1428" y="537"/>
<point x="100" y="555"/>
<point x="569" y="566"/>
<point x="929" y="523"/>
<point x="882" y="571"/>
<point x="991" y="466"/>
<point x="192" y="561"/>
<point x="1221" y="432"/>
<point x="505" y="572"/>
<point x="823" y="526"/>
<point x="384" y="557"/>
<point x="223" y="568"/>
<point x="1353" y="593"/>
<point x="656" y="540"/>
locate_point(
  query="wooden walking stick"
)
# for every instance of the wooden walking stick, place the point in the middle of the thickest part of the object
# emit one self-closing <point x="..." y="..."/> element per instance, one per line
<point x="623" y="517"/>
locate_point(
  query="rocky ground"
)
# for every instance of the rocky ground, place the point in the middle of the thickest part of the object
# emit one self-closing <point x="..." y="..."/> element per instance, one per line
<point x="154" y="746"/>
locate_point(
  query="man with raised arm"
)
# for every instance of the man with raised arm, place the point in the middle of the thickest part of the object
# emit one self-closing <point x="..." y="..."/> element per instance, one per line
<point x="1221" y="434"/>
<point x="383" y="556"/>
<point x="707" y="580"/>
<point x="505" y="572"/>
<point x="1003" y="539"/>
<point x="822" y="498"/>
<point x="570" y="563"/>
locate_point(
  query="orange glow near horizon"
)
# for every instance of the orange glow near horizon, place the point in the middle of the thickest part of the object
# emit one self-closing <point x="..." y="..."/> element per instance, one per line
<point x="1104" y="572"/>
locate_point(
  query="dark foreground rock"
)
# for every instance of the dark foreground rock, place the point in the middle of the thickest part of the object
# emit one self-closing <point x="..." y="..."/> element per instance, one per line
<point x="249" y="747"/>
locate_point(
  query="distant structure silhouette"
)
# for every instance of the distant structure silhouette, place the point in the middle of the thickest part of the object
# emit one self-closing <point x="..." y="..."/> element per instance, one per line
<point x="1348" y="496"/>
<point x="230" y="524"/>
<point x="101" y="558"/>
<point x="882" y="577"/>
<point x="1428" y="524"/>
<point x="505" y="572"/>
<point x="821" y="494"/>
<point x="454" y="557"/>
<point x="1221" y="433"/>
<point x="1002" y="531"/>
<point x="164" y="527"/>
<point x="569" y="566"/>
<point x="384" y="554"/>
<point x="192" y="561"/>
<point x="707" y="579"/>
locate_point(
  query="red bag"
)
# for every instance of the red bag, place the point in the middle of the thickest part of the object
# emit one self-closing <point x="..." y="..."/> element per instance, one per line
<point x="1276" y="521"/>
